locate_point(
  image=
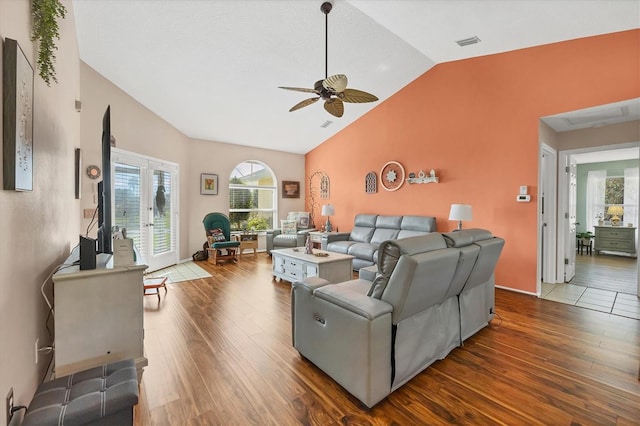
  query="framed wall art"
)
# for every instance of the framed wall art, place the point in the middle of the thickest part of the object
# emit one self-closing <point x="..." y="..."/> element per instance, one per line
<point x="290" y="189"/>
<point x="17" y="118"/>
<point x="208" y="184"/>
<point x="78" y="172"/>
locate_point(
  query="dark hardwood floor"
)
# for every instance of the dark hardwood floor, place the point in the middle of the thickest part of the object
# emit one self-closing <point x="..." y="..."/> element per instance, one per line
<point x="220" y="353"/>
<point x="607" y="272"/>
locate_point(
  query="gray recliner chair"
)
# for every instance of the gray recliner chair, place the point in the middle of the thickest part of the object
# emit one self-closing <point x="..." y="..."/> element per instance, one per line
<point x="431" y="293"/>
<point x="276" y="239"/>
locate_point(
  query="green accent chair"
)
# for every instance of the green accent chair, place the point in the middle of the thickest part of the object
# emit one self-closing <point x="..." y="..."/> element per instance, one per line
<point x="218" y="251"/>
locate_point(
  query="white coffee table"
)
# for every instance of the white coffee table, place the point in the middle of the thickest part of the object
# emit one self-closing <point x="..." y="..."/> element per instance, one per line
<point x="293" y="265"/>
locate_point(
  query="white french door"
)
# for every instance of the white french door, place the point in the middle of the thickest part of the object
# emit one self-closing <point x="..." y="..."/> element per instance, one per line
<point x="146" y="205"/>
<point x="570" y="243"/>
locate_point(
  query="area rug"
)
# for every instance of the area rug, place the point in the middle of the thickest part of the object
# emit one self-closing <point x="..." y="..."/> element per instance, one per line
<point x="181" y="272"/>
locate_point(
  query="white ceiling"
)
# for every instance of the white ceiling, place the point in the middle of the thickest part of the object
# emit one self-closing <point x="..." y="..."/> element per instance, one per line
<point x="212" y="68"/>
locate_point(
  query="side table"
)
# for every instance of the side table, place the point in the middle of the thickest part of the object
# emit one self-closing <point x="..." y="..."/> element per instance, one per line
<point x="247" y="242"/>
<point x="316" y="238"/>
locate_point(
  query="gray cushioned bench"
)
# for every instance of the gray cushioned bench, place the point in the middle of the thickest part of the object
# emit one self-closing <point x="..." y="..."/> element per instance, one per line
<point x="99" y="396"/>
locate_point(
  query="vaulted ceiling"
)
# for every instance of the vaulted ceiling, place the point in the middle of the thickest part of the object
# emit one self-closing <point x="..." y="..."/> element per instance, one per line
<point x="212" y="68"/>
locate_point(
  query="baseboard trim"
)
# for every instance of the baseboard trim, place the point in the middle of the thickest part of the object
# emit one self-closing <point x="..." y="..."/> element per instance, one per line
<point x="517" y="290"/>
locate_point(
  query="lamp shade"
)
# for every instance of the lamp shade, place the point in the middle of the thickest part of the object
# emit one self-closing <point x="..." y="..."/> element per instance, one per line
<point x="615" y="210"/>
<point x="460" y="212"/>
<point x="328" y="210"/>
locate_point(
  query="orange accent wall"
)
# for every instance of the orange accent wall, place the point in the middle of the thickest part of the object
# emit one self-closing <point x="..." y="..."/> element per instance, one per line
<point x="475" y="122"/>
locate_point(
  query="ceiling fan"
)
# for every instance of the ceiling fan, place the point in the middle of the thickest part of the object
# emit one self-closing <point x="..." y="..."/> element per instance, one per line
<point x="333" y="89"/>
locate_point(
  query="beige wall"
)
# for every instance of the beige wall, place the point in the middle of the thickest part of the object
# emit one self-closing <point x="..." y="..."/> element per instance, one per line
<point x="139" y="130"/>
<point x="599" y="136"/>
<point x="135" y="128"/>
<point x="40" y="227"/>
<point x="221" y="158"/>
<point x="547" y="135"/>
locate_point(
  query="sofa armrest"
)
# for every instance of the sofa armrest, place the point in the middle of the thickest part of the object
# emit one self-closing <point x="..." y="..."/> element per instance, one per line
<point x="310" y="284"/>
<point x="270" y="234"/>
<point x="333" y="236"/>
<point x="358" y="303"/>
<point x="306" y="231"/>
<point x="273" y="232"/>
<point x="347" y="335"/>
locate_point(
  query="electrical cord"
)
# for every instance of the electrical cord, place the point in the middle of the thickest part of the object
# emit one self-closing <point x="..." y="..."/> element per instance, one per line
<point x="46" y="299"/>
<point x="499" y="317"/>
<point x="92" y="223"/>
<point x="18" y="408"/>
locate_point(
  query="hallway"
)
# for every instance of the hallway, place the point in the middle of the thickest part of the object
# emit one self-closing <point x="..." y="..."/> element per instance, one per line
<point x="605" y="283"/>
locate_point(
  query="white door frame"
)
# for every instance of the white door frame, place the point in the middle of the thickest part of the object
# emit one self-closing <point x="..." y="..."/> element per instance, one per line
<point x="547" y="224"/>
<point x="147" y="164"/>
<point x="563" y="201"/>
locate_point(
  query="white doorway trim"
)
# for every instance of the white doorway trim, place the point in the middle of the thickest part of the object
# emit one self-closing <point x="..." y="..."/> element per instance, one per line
<point x="147" y="224"/>
<point x="547" y="212"/>
<point x="563" y="202"/>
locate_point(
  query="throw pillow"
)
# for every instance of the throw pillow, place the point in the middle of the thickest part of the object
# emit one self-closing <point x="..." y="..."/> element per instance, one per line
<point x="288" y="226"/>
<point x="218" y="235"/>
<point x="303" y="220"/>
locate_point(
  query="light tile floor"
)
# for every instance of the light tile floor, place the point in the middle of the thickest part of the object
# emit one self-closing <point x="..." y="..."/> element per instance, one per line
<point x="181" y="272"/>
<point x="612" y="302"/>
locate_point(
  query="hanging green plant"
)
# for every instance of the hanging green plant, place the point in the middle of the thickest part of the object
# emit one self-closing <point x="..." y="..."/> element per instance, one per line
<point x="45" y="28"/>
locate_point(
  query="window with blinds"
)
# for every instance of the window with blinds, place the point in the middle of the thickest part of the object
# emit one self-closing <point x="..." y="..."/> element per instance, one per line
<point x="126" y="186"/>
<point x="162" y="219"/>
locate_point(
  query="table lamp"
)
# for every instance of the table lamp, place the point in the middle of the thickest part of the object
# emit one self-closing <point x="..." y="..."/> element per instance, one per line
<point x="328" y="210"/>
<point x="614" y="211"/>
<point x="460" y="212"/>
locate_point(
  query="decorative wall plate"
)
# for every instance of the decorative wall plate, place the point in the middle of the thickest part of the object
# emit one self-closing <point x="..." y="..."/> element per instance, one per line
<point x="392" y="176"/>
<point x="93" y="172"/>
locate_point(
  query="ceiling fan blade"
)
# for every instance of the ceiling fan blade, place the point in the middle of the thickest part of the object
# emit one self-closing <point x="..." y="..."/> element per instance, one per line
<point x="335" y="83"/>
<point x="303" y="104"/>
<point x="356" y="96"/>
<point x="299" y="89"/>
<point x="334" y="106"/>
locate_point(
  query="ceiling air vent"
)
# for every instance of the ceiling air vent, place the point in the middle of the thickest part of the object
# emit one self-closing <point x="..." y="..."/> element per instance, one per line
<point x="468" y="41"/>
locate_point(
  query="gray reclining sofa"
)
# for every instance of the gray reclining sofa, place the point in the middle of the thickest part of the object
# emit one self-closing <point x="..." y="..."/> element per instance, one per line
<point x="431" y="293"/>
<point x="369" y="230"/>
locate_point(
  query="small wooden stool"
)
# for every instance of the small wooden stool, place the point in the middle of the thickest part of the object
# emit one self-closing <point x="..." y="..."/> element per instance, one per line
<point x="154" y="283"/>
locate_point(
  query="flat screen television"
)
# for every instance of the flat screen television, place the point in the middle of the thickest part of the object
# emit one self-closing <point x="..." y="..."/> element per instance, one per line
<point x="105" y="243"/>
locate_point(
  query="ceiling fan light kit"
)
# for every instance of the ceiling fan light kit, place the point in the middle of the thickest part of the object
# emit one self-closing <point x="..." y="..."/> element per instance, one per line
<point x="333" y="89"/>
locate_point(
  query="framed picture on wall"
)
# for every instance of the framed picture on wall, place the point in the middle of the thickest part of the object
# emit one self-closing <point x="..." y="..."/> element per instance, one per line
<point x="17" y="118"/>
<point x="290" y="189"/>
<point x="208" y="184"/>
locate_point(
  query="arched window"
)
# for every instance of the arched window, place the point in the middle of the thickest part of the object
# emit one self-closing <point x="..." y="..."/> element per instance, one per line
<point x="252" y="197"/>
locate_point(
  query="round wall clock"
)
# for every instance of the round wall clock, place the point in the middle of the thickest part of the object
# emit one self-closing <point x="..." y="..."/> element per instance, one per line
<point x="93" y="172"/>
<point x="392" y="176"/>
